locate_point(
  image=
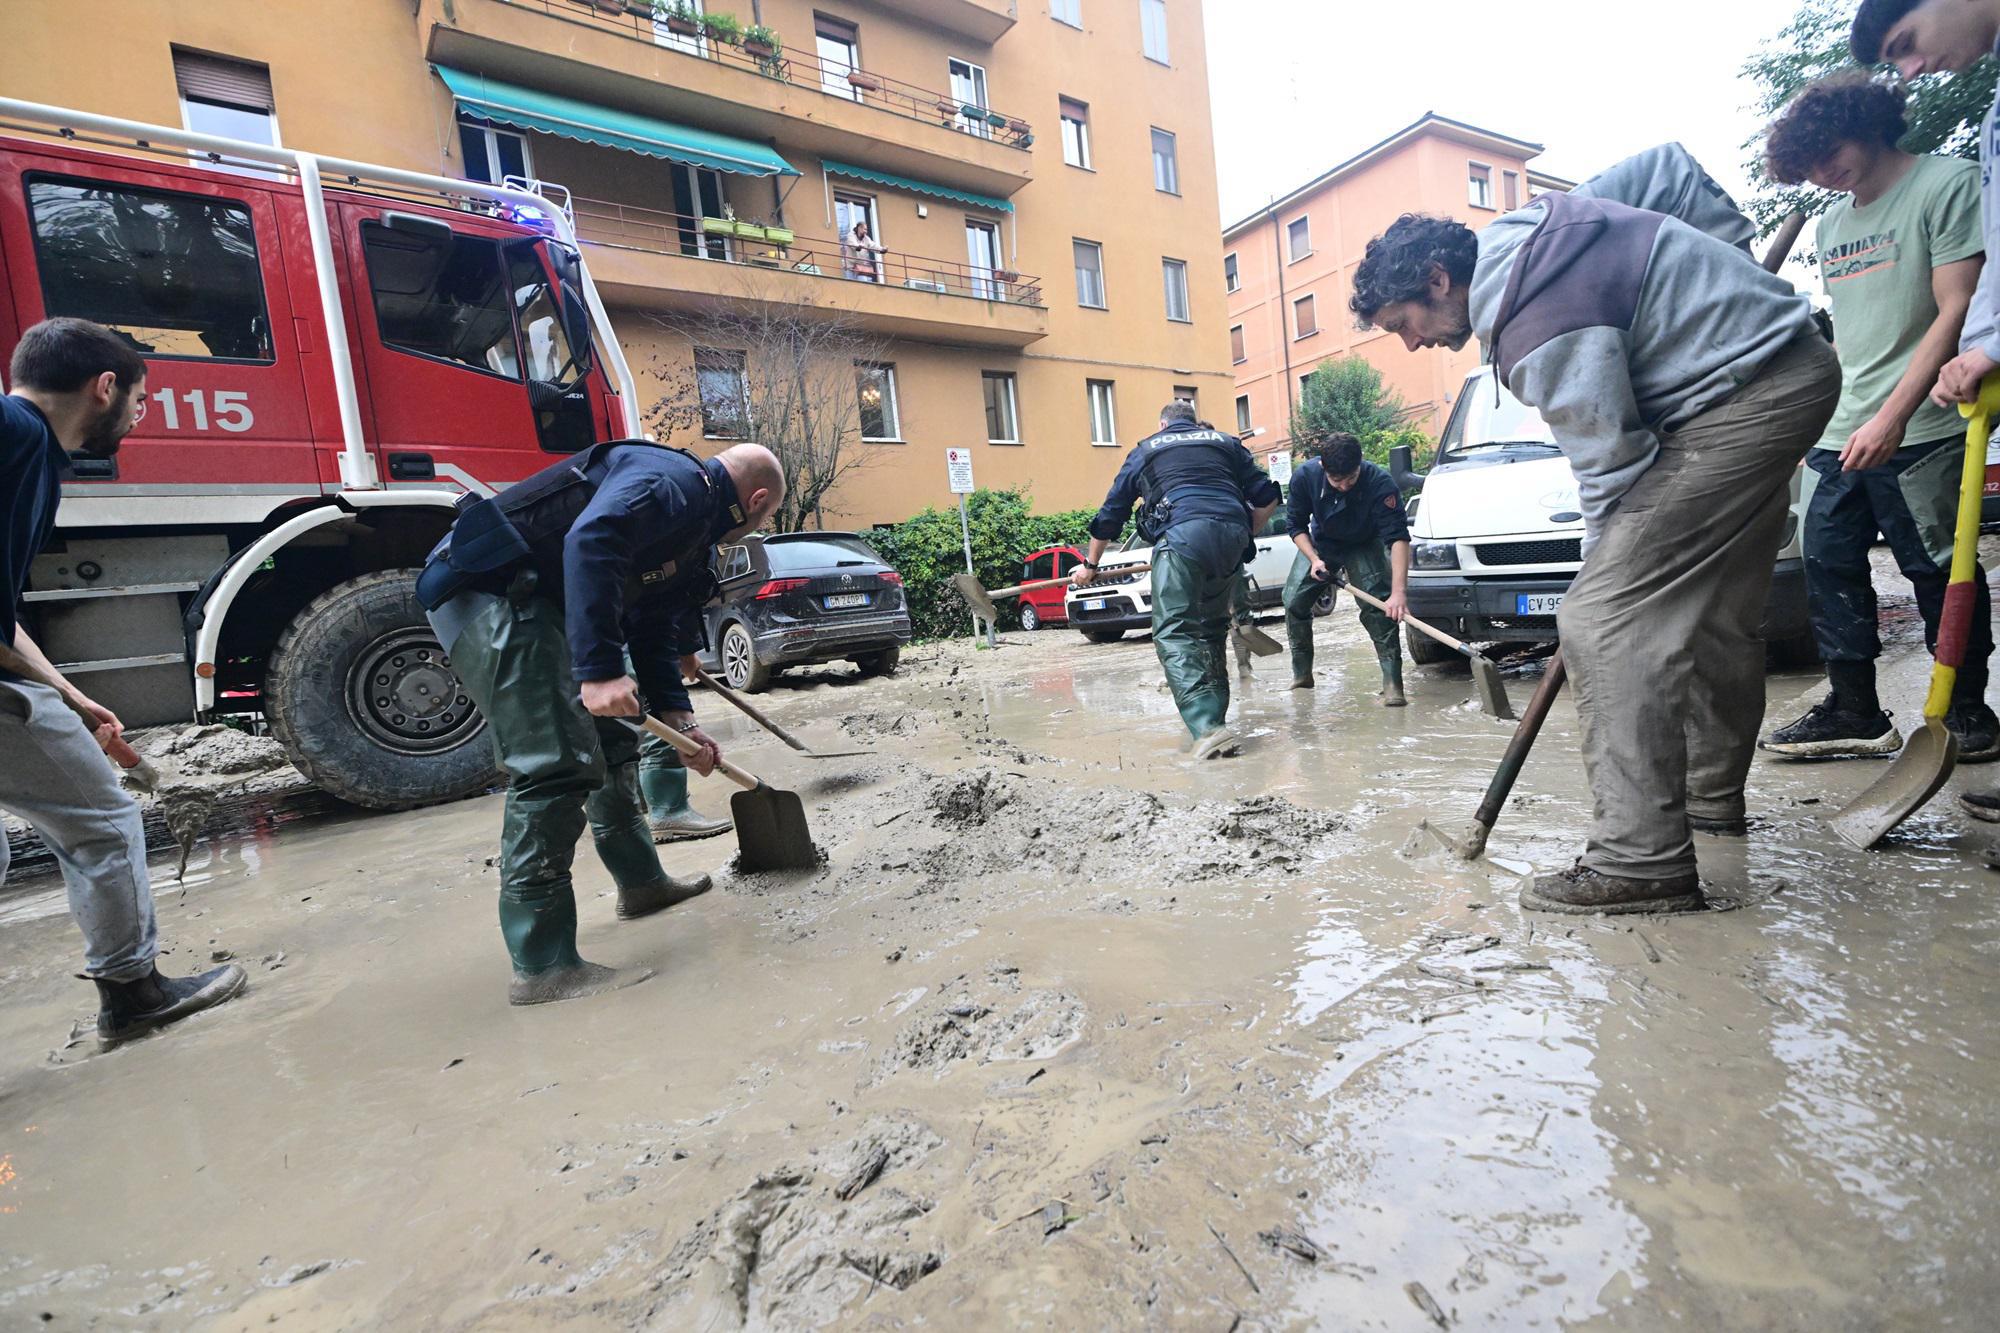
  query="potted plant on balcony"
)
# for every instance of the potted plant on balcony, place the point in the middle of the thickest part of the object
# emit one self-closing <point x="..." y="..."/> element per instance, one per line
<point x="996" y="120"/>
<point x="1018" y="126"/>
<point x="1006" y="275"/>
<point x="723" y="28"/>
<point x="761" y="41"/>
<point x="863" y="82"/>
<point x="681" y="18"/>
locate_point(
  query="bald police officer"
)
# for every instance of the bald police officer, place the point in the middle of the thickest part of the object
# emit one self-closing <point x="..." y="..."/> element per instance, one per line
<point x="539" y="594"/>
<point x="1204" y="496"/>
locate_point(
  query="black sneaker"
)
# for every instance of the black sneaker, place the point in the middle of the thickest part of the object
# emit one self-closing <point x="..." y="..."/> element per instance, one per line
<point x="1978" y="731"/>
<point x="1829" y="732"/>
<point x="1981" y="805"/>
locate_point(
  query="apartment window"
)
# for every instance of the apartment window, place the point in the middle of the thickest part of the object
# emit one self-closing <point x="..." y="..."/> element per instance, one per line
<point x="1075" y="133"/>
<point x="876" y="383"/>
<point x="1103" y="422"/>
<point x="1242" y="414"/>
<point x="1067" y="11"/>
<point x="489" y="154"/>
<point x="1187" y="393"/>
<point x="725" y="406"/>
<point x="1479" y="185"/>
<point x="1237" y="356"/>
<point x="1298" y="238"/>
<point x="968" y="89"/>
<point x="1089" y="274"/>
<point x="1230" y="279"/>
<point x="173" y="274"/>
<point x="226" y="97"/>
<point x="1174" y="273"/>
<point x="1166" y="164"/>
<point x="839" y="50"/>
<point x="1510" y="189"/>
<point x="1003" y="422"/>
<point x="1305" y="323"/>
<point x="1153" y="29"/>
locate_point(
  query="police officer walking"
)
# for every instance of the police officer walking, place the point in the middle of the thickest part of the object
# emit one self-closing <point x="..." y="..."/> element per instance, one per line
<point x="1204" y="496"/>
<point x="540" y="593"/>
<point x="1346" y="514"/>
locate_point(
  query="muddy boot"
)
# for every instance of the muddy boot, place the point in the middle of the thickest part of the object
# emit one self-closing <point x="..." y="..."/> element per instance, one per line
<point x="1241" y="647"/>
<point x="1216" y="744"/>
<point x="668" y="814"/>
<point x="650" y="898"/>
<point x="128" y="1009"/>
<point x="1720" y="828"/>
<point x="1981" y="805"/>
<point x="1581" y="891"/>
<point x="572" y="982"/>
<point x="1392" y="683"/>
<point x="1977" y="730"/>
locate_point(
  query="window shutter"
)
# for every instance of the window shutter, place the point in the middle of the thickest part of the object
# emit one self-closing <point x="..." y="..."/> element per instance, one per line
<point x="240" y="83"/>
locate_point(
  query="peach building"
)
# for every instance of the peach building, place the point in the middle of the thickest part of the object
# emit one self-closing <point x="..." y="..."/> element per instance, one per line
<point x="1288" y="268"/>
<point x="1038" y="174"/>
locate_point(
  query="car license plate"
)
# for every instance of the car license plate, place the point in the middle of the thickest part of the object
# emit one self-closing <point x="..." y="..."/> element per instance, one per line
<point x="1094" y="604"/>
<point x="1537" y="603"/>
<point x="842" y="600"/>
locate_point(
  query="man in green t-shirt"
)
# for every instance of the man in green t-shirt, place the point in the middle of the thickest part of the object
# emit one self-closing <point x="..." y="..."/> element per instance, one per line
<point x="1900" y="254"/>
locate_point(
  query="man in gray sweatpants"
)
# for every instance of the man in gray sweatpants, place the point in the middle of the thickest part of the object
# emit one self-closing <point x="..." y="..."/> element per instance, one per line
<point x="1684" y="384"/>
<point x="76" y="386"/>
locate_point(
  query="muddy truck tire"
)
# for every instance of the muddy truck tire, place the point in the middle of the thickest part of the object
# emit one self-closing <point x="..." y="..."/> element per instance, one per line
<point x="1425" y="651"/>
<point x="364" y="700"/>
<point x="883" y="663"/>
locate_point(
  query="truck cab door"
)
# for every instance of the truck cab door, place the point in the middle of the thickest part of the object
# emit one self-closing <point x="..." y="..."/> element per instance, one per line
<point x="459" y="324"/>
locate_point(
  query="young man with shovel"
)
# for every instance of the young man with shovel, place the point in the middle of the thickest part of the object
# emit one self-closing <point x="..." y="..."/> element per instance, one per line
<point x="1926" y="37"/>
<point x="1347" y="515"/>
<point x="1204" y="496"/>
<point x="1684" y="383"/>
<point x="78" y="388"/>
<point x="1900" y="255"/>
<point x="546" y="591"/>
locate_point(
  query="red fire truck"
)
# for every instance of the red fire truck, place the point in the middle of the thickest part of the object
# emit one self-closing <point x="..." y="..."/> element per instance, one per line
<point x="335" y="353"/>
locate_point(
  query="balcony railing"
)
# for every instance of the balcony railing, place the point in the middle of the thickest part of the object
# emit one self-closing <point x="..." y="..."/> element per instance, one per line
<point x="779" y="250"/>
<point x="635" y="19"/>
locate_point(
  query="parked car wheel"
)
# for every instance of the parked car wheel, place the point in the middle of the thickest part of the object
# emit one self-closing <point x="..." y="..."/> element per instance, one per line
<point x="1031" y="619"/>
<point x="740" y="666"/>
<point x="365" y="702"/>
<point x="1426" y="651"/>
<point x="883" y="663"/>
<point x="1104" y="635"/>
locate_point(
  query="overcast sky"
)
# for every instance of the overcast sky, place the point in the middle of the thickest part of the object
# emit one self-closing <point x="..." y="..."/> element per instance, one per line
<point x="1298" y="85"/>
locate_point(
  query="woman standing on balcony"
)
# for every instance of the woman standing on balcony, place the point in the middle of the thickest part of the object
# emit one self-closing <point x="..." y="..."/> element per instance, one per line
<point x="861" y="249"/>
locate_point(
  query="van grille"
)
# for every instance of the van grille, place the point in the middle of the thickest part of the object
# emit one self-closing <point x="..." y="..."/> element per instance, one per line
<point x="1554" y="552"/>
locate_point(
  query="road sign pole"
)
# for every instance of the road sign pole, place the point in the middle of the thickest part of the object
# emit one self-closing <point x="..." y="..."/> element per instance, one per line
<point x="958" y="473"/>
<point x="965" y="531"/>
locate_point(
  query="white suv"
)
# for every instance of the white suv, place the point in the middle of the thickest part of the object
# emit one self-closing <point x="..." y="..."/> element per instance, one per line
<point x="1118" y="602"/>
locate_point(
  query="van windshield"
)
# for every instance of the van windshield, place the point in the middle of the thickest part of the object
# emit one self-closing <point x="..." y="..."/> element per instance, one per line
<point x="1486" y="420"/>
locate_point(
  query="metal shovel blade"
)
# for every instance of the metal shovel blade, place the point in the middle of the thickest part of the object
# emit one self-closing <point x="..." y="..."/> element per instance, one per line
<point x="1914" y="777"/>
<point x="771" y="832"/>
<point x="1257" y="641"/>
<point x="1492" y="690"/>
<point x="1468" y="847"/>
<point x="975" y="597"/>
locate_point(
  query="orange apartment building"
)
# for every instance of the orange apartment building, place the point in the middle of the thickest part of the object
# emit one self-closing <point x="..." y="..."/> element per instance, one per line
<point x="1039" y="173"/>
<point x="1288" y="268"/>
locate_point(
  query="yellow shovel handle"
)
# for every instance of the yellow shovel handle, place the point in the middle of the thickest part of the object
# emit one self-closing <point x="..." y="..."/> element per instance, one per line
<point x="1956" y="622"/>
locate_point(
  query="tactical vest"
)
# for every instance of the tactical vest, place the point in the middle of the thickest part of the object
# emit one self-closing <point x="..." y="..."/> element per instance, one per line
<point x="1178" y="462"/>
<point x="527" y="523"/>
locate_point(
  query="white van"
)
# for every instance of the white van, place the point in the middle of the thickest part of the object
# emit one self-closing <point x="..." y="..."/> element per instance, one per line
<point x="1496" y="535"/>
<point x="1118" y="602"/>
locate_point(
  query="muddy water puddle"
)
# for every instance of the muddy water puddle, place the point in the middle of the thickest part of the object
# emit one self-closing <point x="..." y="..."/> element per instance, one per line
<point x="1065" y="1032"/>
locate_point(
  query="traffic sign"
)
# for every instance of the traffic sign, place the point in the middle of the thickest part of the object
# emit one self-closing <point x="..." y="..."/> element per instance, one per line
<point x="958" y="466"/>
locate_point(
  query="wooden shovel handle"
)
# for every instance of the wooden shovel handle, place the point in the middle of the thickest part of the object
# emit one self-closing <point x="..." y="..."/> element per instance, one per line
<point x="1020" y="588"/>
<point x="756" y="714"/>
<point x="1782" y="242"/>
<point x="1408" y="619"/>
<point x="1524" y="740"/>
<point x="689" y="749"/>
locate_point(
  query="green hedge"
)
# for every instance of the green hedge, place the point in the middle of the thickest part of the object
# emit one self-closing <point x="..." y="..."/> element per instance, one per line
<point x="927" y="550"/>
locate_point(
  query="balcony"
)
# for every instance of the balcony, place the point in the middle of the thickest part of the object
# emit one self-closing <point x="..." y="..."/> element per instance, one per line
<point x="579" y="49"/>
<point x="982" y="20"/>
<point x="652" y="260"/>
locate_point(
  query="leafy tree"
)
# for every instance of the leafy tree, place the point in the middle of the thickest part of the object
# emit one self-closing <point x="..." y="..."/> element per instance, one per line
<point x="928" y="549"/>
<point x="1344" y="393"/>
<point x="1944" y="110"/>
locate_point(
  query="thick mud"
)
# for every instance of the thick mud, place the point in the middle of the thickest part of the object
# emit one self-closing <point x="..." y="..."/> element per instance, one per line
<point x="1066" y="1032"/>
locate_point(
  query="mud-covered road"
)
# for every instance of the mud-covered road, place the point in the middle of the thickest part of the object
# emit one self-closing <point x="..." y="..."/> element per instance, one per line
<point x="1066" y="1034"/>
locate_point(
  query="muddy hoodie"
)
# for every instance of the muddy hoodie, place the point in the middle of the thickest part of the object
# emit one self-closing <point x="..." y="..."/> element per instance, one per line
<point x="1619" y="322"/>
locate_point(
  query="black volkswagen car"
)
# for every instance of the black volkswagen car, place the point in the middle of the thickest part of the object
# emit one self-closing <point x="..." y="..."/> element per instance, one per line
<point x="799" y="599"/>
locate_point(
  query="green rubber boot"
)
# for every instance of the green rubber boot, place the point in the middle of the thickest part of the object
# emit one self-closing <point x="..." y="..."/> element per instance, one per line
<point x="1392" y="682"/>
<point x="669" y="816"/>
<point x="624" y="845"/>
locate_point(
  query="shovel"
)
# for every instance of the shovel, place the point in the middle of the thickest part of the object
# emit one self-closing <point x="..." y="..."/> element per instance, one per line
<point x="1931" y="753"/>
<point x="1485" y="676"/>
<point x="136" y="766"/>
<point x="757" y="715"/>
<point x="771" y="832"/>
<point x="1469" y="846"/>
<point x="982" y="601"/>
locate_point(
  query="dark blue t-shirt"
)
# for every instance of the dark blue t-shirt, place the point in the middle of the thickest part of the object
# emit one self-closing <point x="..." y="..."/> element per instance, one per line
<point x="32" y="468"/>
<point x="1371" y="511"/>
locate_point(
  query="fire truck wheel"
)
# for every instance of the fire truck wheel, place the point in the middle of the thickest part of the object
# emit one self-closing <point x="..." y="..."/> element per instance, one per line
<point x="365" y="702"/>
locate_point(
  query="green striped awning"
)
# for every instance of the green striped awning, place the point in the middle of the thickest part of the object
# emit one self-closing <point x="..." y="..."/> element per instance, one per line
<point x="895" y="182"/>
<point x="588" y="122"/>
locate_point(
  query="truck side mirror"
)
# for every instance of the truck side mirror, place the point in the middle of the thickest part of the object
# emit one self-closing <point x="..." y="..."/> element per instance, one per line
<point x="1400" y="470"/>
<point x="576" y="327"/>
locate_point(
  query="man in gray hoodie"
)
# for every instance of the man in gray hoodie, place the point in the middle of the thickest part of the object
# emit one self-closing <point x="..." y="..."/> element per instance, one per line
<point x="1684" y="384"/>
